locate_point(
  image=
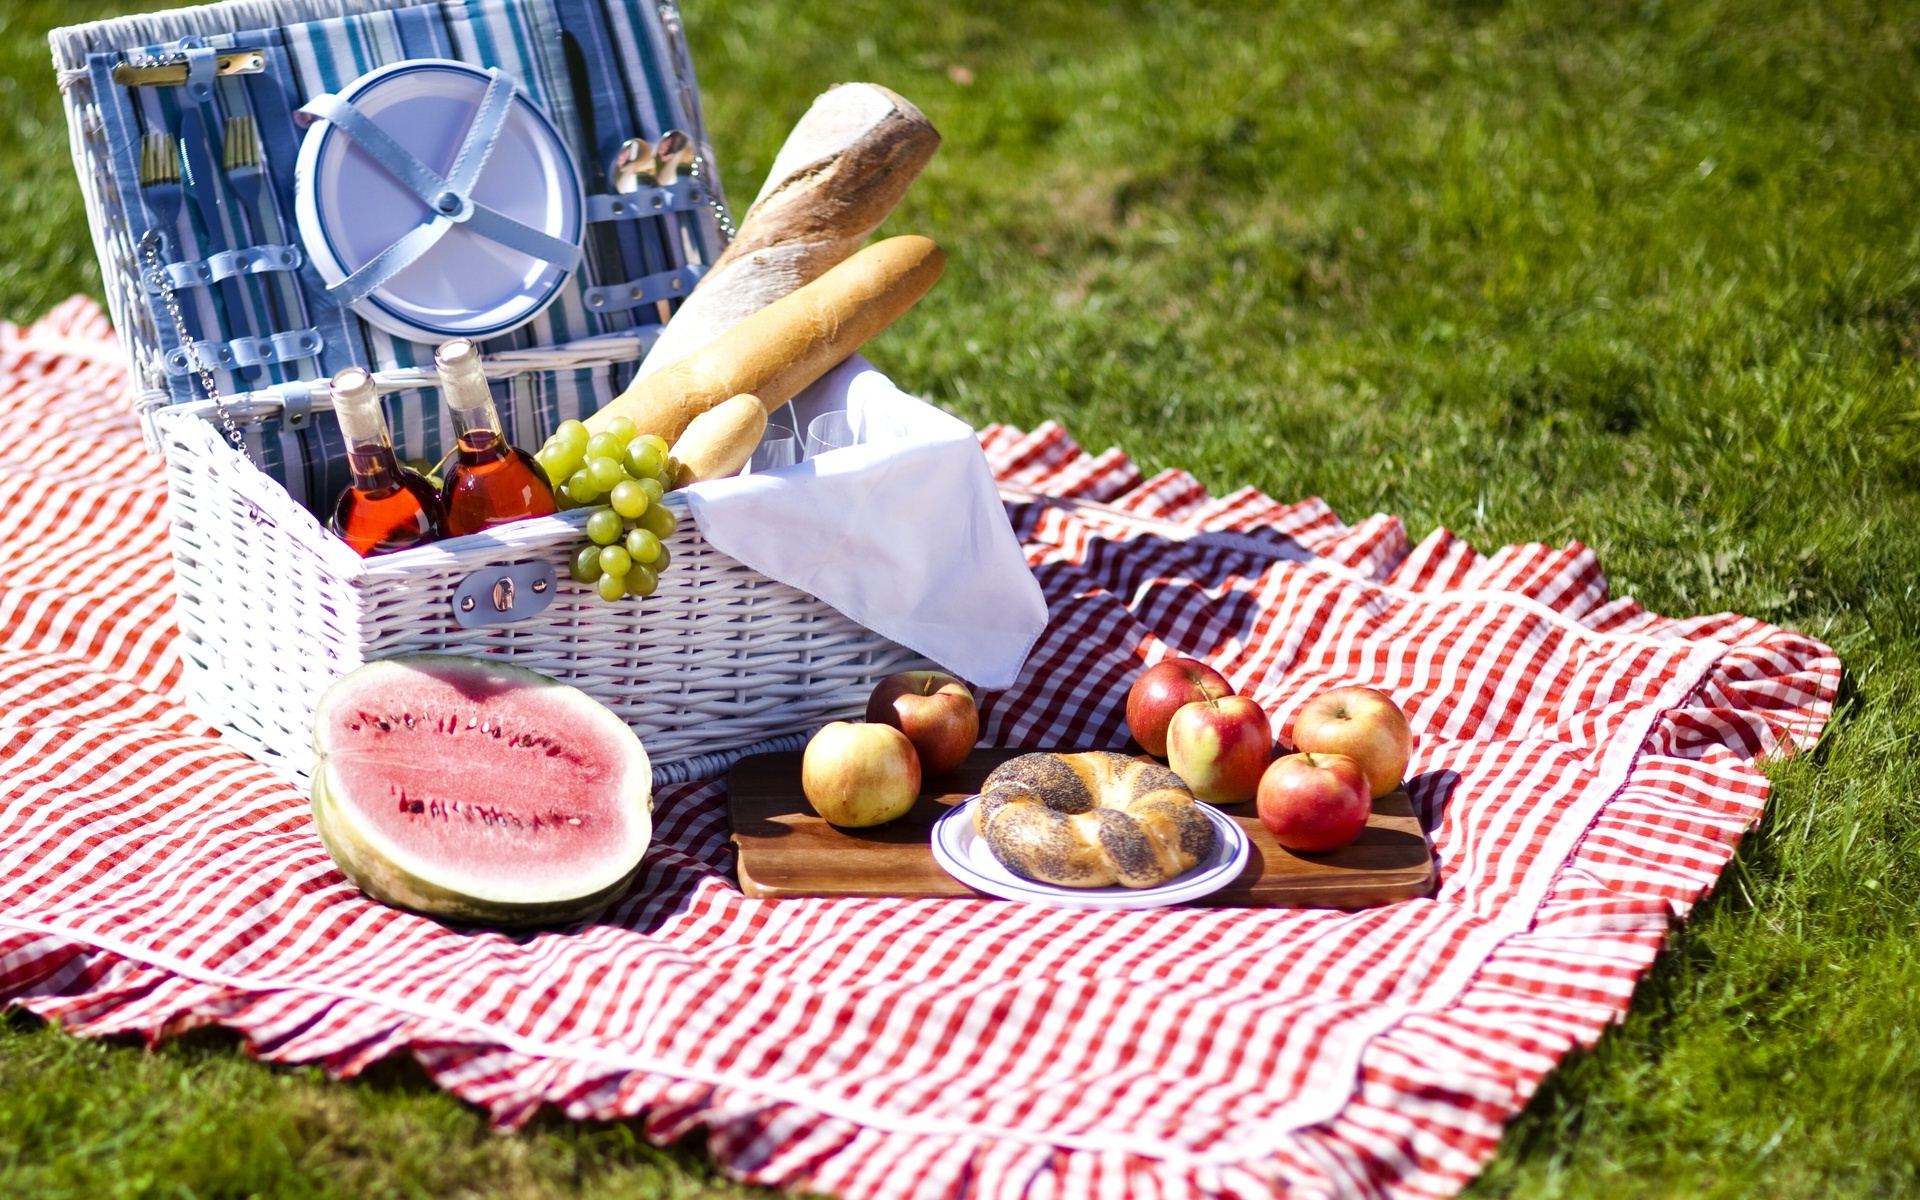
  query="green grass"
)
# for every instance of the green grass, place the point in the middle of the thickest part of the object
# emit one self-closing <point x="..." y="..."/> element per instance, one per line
<point x="1643" y="274"/>
<point x="200" y="1119"/>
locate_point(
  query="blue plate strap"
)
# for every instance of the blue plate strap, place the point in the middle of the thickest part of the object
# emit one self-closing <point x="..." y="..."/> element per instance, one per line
<point x="376" y="271"/>
<point x="396" y="159"/>
<point x="482" y="134"/>
<point x="496" y="226"/>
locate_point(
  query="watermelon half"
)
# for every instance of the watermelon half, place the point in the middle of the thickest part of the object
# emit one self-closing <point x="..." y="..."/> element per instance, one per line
<point x="477" y="792"/>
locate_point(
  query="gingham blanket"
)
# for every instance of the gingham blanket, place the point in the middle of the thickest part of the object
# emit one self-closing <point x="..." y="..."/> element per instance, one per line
<point x="1585" y="768"/>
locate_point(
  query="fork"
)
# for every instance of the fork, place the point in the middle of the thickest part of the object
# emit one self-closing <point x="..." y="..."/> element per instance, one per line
<point x="160" y="189"/>
<point x="160" y="184"/>
<point x="247" y="176"/>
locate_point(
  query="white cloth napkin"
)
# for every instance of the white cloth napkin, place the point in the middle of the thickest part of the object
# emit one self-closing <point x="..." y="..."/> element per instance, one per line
<point x="904" y="533"/>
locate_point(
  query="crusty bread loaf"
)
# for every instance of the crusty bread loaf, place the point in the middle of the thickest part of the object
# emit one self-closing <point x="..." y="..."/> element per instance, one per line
<point x="1092" y="820"/>
<point x="779" y="350"/>
<point x="720" y="441"/>
<point x="842" y="170"/>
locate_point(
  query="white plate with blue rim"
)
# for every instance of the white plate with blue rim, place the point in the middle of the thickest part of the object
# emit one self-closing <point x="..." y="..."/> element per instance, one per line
<point x="963" y="854"/>
<point x="350" y="209"/>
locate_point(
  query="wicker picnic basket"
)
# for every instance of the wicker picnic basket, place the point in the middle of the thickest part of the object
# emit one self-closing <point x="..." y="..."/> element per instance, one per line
<point x="271" y="606"/>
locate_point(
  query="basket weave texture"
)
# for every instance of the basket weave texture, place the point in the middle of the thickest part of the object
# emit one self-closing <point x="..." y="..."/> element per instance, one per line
<point x="273" y="608"/>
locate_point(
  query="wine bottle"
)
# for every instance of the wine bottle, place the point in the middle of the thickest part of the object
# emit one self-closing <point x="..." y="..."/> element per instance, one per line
<point x="490" y="482"/>
<point x="387" y="507"/>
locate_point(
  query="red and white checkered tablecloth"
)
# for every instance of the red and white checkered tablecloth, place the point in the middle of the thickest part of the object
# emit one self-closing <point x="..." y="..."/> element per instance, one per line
<point x="1585" y="767"/>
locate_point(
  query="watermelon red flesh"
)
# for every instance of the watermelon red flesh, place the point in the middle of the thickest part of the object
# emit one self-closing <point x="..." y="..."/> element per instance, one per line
<point x="480" y="784"/>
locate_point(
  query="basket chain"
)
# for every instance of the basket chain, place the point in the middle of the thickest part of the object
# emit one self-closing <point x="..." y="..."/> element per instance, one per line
<point x="150" y="247"/>
<point x="720" y="215"/>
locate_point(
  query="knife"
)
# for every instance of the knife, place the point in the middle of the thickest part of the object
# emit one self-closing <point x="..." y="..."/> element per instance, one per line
<point x="200" y="175"/>
<point x="603" y="243"/>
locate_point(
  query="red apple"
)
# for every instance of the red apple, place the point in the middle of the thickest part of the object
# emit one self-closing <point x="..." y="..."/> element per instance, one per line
<point x="1363" y="724"/>
<point x="1219" y="748"/>
<point x="934" y="710"/>
<point x="1314" y="802"/>
<point x="860" y="774"/>
<point x="1160" y="691"/>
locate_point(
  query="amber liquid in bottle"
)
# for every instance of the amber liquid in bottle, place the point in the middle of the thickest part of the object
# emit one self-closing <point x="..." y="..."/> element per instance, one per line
<point x="386" y="507"/>
<point x="490" y="482"/>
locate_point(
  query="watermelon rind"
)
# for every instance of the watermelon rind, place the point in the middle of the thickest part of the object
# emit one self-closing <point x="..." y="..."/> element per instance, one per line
<point x="394" y="875"/>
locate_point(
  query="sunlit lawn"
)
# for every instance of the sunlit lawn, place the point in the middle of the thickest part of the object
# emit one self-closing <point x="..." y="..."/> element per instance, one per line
<point x="1646" y="275"/>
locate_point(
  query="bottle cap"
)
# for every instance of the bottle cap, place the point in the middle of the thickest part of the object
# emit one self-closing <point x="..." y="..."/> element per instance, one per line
<point x="456" y="353"/>
<point x="356" y="402"/>
<point x="353" y="385"/>
<point x="463" y="383"/>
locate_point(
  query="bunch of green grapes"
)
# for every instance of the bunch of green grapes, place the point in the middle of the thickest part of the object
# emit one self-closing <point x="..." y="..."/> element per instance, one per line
<point x="622" y="477"/>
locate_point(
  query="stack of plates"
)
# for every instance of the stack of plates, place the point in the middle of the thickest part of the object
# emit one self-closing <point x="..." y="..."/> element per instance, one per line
<point x="349" y="209"/>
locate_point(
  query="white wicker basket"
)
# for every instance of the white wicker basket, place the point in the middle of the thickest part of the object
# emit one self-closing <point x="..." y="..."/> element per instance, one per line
<point x="272" y="607"/>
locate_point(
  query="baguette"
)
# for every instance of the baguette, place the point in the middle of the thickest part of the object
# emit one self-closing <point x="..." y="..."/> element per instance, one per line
<point x="720" y="441"/>
<point x="778" y="351"/>
<point x="842" y="170"/>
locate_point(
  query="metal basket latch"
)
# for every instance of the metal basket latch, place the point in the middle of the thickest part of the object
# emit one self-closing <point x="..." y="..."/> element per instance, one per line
<point x="501" y="595"/>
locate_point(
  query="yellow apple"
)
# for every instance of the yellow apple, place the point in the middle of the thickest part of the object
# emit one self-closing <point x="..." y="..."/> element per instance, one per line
<point x="1365" y="725"/>
<point x="857" y="774"/>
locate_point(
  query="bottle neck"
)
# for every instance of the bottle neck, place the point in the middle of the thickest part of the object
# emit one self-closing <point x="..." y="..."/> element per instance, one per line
<point x="369" y="446"/>
<point x="476" y="422"/>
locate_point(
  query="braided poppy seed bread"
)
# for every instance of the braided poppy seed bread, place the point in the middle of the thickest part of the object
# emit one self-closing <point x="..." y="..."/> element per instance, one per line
<point x="1091" y="820"/>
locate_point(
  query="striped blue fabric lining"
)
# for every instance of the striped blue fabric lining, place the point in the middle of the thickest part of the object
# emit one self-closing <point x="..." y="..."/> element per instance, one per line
<point x="630" y="60"/>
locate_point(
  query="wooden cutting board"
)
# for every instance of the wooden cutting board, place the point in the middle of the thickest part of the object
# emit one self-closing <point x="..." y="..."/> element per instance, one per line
<point x="786" y="851"/>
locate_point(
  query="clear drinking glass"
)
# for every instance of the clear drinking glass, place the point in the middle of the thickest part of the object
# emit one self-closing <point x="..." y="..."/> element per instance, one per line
<point x="830" y="431"/>
<point x="779" y="447"/>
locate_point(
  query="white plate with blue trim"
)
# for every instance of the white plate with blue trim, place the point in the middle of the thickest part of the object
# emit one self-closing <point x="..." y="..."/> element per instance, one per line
<point x="963" y="854"/>
<point x="350" y="209"/>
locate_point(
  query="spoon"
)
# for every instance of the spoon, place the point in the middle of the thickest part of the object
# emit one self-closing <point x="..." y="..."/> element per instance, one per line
<point x="673" y="151"/>
<point x="634" y="158"/>
<point x="633" y="167"/>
